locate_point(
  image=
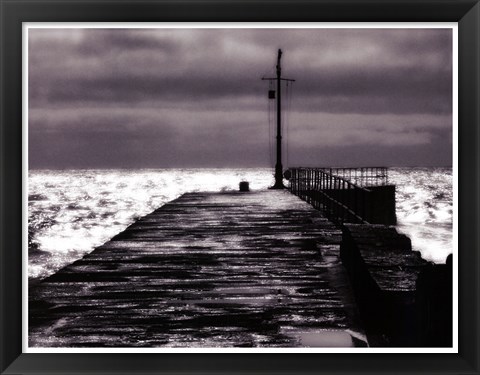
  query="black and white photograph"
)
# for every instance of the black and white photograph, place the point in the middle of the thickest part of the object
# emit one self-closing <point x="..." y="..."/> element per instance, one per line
<point x="241" y="187"/>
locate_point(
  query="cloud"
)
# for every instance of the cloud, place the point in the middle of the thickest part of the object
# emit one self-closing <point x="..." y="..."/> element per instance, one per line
<point x="198" y="93"/>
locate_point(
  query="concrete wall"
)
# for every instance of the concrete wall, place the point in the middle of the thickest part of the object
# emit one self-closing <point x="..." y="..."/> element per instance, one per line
<point x="404" y="301"/>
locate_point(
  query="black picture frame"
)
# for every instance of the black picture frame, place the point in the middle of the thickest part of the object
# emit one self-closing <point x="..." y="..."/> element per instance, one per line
<point x="14" y="12"/>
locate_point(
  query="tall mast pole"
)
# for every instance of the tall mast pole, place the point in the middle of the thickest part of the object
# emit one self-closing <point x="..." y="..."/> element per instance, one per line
<point x="278" y="165"/>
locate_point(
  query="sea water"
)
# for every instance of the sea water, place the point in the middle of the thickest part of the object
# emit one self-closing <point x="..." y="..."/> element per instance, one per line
<point x="424" y="207"/>
<point x="70" y="212"/>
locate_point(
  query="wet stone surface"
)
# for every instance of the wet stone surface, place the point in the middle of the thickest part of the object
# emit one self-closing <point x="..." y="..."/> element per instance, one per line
<point x="256" y="269"/>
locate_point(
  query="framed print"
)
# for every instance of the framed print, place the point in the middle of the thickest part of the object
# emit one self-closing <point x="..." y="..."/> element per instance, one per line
<point x="262" y="187"/>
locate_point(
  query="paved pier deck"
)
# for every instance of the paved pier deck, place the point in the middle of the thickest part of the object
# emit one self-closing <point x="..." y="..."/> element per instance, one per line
<point x="255" y="269"/>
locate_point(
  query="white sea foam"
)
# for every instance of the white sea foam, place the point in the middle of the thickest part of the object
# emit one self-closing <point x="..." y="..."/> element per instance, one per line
<point x="424" y="205"/>
<point x="71" y="212"/>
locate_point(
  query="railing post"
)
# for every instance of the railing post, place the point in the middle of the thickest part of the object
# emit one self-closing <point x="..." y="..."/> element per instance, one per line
<point x="292" y="182"/>
<point x="310" y="185"/>
<point x="300" y="182"/>
<point x="309" y="181"/>
<point x="296" y="181"/>
<point x="304" y="184"/>
<point x="355" y="201"/>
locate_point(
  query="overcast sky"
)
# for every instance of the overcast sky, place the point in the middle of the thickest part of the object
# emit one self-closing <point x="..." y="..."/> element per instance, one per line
<point x="153" y="98"/>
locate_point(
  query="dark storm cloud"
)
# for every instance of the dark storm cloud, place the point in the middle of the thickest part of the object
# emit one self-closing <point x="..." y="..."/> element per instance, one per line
<point x="341" y="90"/>
<point x="101" y="41"/>
<point x="139" y="137"/>
<point x="198" y="92"/>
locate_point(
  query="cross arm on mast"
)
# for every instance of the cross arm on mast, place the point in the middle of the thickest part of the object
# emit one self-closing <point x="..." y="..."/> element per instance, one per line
<point x="274" y="79"/>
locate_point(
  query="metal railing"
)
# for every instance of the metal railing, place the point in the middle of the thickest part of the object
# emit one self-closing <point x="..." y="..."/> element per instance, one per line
<point x="343" y="200"/>
<point x="364" y="176"/>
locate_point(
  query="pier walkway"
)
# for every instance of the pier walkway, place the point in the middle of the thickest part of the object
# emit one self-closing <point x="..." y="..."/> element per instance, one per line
<point x="229" y="269"/>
